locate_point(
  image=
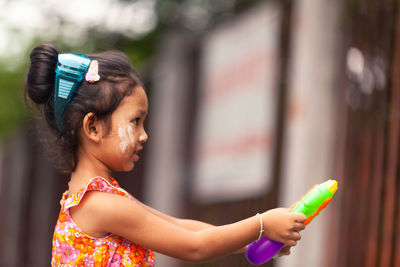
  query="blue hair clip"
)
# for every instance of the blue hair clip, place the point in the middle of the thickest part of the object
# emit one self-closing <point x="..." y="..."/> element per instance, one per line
<point x="70" y="70"/>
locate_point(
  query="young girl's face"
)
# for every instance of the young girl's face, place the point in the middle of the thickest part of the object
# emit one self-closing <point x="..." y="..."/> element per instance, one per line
<point x="127" y="134"/>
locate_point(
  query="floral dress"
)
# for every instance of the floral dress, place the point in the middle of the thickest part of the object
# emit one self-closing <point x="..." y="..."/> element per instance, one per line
<point x="72" y="247"/>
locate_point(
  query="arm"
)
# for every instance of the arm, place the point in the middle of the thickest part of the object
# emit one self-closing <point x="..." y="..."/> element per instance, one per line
<point x="188" y="224"/>
<point x="191" y="225"/>
<point x="106" y="213"/>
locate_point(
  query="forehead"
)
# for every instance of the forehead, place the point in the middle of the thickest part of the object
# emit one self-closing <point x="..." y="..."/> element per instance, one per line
<point x="136" y="103"/>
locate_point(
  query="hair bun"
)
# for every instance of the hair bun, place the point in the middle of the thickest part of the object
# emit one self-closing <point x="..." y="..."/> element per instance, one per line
<point x="41" y="75"/>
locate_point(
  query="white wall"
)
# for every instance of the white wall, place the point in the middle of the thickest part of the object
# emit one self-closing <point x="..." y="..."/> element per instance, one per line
<point x="309" y="135"/>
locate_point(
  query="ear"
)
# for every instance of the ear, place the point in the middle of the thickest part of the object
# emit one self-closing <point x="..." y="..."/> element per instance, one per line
<point x="92" y="128"/>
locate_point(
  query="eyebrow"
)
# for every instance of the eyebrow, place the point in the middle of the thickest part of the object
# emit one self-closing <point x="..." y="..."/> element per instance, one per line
<point x="141" y="112"/>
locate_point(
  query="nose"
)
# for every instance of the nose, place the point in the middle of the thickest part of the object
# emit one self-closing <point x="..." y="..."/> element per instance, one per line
<point x="143" y="137"/>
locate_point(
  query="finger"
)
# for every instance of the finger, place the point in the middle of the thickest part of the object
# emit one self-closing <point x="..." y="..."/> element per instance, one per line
<point x="285" y="251"/>
<point x="299" y="217"/>
<point x="295" y="236"/>
<point x="291" y="243"/>
<point x="299" y="226"/>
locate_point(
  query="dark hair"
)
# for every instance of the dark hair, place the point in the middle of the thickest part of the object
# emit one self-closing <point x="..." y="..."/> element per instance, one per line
<point x="117" y="80"/>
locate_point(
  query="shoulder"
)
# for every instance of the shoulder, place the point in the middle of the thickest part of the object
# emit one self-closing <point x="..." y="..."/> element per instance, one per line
<point x="78" y="190"/>
<point x="98" y="212"/>
<point x="103" y="203"/>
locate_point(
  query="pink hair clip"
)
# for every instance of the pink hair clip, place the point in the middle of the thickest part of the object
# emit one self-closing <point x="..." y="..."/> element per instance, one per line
<point x="92" y="75"/>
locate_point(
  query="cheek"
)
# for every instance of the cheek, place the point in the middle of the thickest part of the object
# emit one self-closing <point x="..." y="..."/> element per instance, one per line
<point x="123" y="146"/>
<point x="126" y="139"/>
<point x="130" y="135"/>
<point x="123" y="140"/>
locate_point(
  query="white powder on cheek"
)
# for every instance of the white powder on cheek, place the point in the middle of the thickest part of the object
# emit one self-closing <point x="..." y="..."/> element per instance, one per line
<point x="123" y="146"/>
<point x="121" y="133"/>
<point x="130" y="135"/>
<point x="124" y="139"/>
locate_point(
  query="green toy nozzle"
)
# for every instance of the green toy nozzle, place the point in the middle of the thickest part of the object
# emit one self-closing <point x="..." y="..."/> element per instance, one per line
<point x="332" y="185"/>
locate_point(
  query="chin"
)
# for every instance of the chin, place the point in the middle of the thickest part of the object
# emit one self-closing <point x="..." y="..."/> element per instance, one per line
<point x="124" y="168"/>
<point x="129" y="168"/>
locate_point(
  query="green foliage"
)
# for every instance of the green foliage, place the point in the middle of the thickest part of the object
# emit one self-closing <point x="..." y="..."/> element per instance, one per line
<point x="12" y="106"/>
<point x="12" y="109"/>
<point x="140" y="49"/>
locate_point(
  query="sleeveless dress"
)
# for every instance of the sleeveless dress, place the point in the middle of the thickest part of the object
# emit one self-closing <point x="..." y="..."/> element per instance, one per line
<point x="72" y="247"/>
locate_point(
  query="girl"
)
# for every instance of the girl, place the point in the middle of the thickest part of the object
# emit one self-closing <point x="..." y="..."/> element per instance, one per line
<point x="94" y="108"/>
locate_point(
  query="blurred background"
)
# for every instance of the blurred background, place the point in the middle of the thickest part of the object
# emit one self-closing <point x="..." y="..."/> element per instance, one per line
<point x="251" y="104"/>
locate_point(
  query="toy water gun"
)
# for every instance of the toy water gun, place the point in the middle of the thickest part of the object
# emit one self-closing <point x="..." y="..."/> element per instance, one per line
<point x="310" y="205"/>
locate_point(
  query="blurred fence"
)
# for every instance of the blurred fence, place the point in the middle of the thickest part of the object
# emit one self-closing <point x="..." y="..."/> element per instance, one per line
<point x="368" y="155"/>
<point x="30" y="191"/>
<point x="365" y="228"/>
<point x="366" y="222"/>
<point x="29" y="186"/>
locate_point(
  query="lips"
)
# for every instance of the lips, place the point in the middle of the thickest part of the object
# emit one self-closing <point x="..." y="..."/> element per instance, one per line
<point x="135" y="155"/>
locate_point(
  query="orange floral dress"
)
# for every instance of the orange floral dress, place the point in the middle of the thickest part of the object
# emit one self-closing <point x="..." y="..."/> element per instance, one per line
<point x="72" y="247"/>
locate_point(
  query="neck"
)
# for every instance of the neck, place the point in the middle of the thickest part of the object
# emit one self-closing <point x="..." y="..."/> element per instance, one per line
<point x="88" y="166"/>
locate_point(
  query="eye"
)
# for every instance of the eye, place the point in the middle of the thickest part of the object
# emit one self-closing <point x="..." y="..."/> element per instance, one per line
<point x="135" y="121"/>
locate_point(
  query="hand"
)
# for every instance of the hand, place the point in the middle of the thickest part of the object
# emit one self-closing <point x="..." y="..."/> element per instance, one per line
<point x="285" y="251"/>
<point x="283" y="226"/>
